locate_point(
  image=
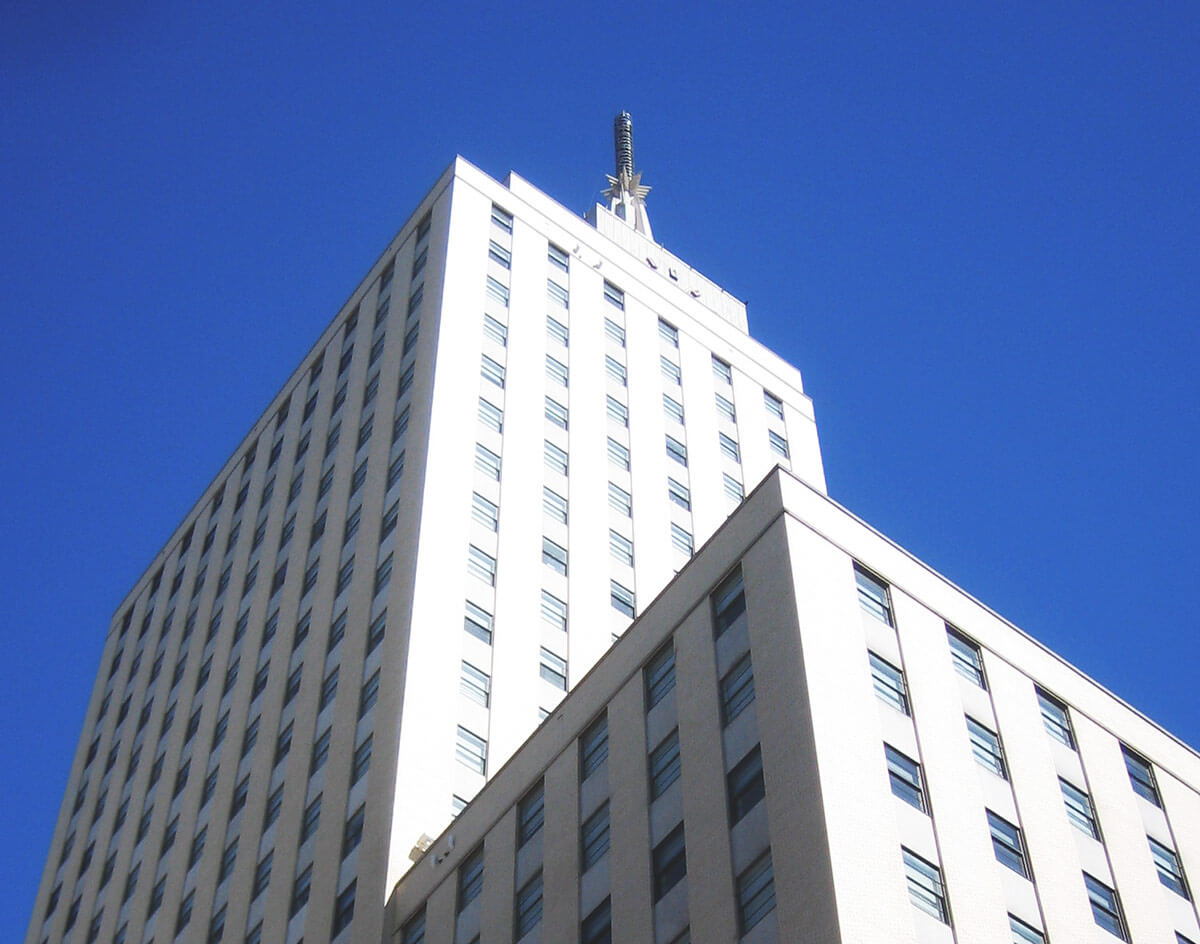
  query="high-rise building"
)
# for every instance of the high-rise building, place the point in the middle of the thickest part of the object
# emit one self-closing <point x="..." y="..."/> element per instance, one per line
<point x="813" y="736"/>
<point x="513" y="435"/>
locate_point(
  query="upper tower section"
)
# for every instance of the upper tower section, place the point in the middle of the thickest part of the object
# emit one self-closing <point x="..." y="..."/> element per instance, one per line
<point x="626" y="194"/>
<point x="625" y="221"/>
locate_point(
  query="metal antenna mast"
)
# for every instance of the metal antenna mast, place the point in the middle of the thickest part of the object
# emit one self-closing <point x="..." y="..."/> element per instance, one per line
<point x="626" y="193"/>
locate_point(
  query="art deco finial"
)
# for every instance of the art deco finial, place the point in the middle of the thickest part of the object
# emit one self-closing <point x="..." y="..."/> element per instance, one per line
<point x="626" y="193"/>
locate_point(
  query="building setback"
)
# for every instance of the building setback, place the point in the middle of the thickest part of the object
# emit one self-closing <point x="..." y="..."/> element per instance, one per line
<point x="812" y="736"/>
<point x="510" y="438"/>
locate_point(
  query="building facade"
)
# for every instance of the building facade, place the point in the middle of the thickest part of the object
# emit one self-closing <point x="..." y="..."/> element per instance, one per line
<point x="511" y="437"/>
<point x="812" y="736"/>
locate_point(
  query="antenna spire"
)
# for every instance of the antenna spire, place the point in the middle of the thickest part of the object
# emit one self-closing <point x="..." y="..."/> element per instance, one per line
<point x="626" y="193"/>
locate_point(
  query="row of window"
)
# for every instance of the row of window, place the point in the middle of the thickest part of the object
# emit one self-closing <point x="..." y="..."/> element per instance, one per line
<point x="906" y="779"/>
<point x="329" y="688"/>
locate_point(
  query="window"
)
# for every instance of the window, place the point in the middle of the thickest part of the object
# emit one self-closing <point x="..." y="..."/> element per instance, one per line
<point x="722" y="370"/>
<point x="492" y="371"/>
<point x="345" y="575"/>
<point x="556" y="330"/>
<point x="594" y="837"/>
<point x="1023" y="933"/>
<point x="478" y="623"/>
<point x="905" y="776"/>
<point x="746" y="785"/>
<point x="554" y="505"/>
<point x="400" y="424"/>
<point x="733" y="488"/>
<point x="554" y="611"/>
<point x="197" y="849"/>
<point x="889" y="683"/>
<point x="362" y="760"/>
<point x="620" y="547"/>
<point x="300" y="890"/>
<point x="527" y="907"/>
<point x="343" y="908"/>
<point x="621" y="598"/>
<point x="491" y="415"/>
<point x="556" y="370"/>
<point x="475" y="684"/>
<point x="669" y="332"/>
<point x="1170" y="872"/>
<point x="228" y="860"/>
<point x="677" y="451"/>
<point x="262" y="875"/>
<point x="328" y="689"/>
<point x="664" y="765"/>
<point x="554" y="669"/>
<point x="502" y="220"/>
<point x="1106" y="906"/>
<point x="659" y="675"/>
<point x="615" y="370"/>
<point x="487" y="462"/>
<point x="925" y="888"/>
<point x="773" y="403"/>
<point x="679" y="494"/>
<point x="1141" y="775"/>
<point x="413" y="931"/>
<point x="1079" y="809"/>
<point x="556" y="413"/>
<point x="558" y="258"/>
<point x="725" y="408"/>
<point x="618" y="454"/>
<point x="156" y="897"/>
<point x="320" y="752"/>
<point x="1007" y="844"/>
<point x="293" y="685"/>
<point x="873" y="595"/>
<point x="985" y="745"/>
<point x="619" y="499"/>
<point x="618" y="412"/>
<point x="497" y="290"/>
<point x="778" y="443"/>
<point x="499" y="254"/>
<point x="755" y="893"/>
<point x="669" y="862"/>
<point x="729" y="602"/>
<point x="554" y="457"/>
<point x="682" y="539"/>
<point x="556" y="293"/>
<point x="495" y="330"/>
<point x="485" y="512"/>
<point x="614" y="296"/>
<point x="470" y="878"/>
<point x="593" y="747"/>
<point x="965" y="656"/>
<point x="1056" y="719"/>
<point x="614" y="332"/>
<point x="482" y="565"/>
<point x="737" y="689"/>
<point x="670" y="370"/>
<point x="274" y="805"/>
<point x="369" y="694"/>
<point x="418" y="293"/>
<point x="471" y="751"/>
<point x="554" y="556"/>
<point x="388" y="523"/>
<point x="597" y="926"/>
<point x="531" y="812"/>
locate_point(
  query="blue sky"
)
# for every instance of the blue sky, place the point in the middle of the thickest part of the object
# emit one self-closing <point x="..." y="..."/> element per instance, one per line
<point x="976" y="231"/>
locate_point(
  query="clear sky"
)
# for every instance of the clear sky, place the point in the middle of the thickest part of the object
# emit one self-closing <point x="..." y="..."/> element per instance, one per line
<point x="974" y="227"/>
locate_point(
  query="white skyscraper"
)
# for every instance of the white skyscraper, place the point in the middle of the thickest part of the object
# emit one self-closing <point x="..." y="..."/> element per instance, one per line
<point x="508" y="441"/>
